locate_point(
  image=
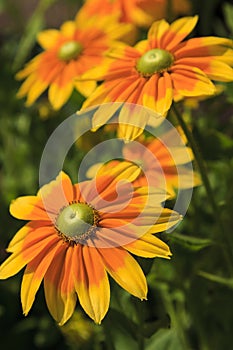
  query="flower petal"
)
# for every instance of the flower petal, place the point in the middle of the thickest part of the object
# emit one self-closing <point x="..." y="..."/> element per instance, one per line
<point x="104" y="187"/>
<point x="178" y="30"/>
<point x="59" y="287"/>
<point x="28" y="208"/>
<point x="125" y="271"/>
<point x="48" y="38"/>
<point x="57" y="193"/>
<point x="149" y="246"/>
<point x="156" y="33"/>
<point x="34" y="275"/>
<point x="86" y="88"/>
<point x="17" y="241"/>
<point x="214" y="69"/>
<point x="59" y="95"/>
<point x="191" y="81"/>
<point x="91" y="283"/>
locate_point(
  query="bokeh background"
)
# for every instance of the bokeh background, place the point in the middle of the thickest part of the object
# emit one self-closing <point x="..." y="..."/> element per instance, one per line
<point x="190" y="300"/>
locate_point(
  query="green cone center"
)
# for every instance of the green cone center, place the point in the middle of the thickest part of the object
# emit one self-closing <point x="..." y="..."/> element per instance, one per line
<point x="70" y="50"/>
<point x="75" y="219"/>
<point x="154" y="61"/>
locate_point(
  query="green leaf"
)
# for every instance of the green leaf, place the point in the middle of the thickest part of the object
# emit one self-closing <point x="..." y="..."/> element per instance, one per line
<point x="228" y="14"/>
<point x="214" y="278"/>
<point x="164" y="339"/>
<point x="120" y="330"/>
<point x="190" y="242"/>
<point x="34" y="25"/>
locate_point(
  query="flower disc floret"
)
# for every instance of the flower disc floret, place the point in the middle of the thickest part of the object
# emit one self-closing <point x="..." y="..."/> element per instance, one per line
<point x="154" y="61"/>
<point x="70" y="50"/>
<point x="76" y="221"/>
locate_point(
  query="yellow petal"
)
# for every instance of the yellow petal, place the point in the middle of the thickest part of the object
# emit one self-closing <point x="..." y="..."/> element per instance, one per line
<point x="34" y="275"/>
<point x="165" y="219"/>
<point x="12" y="265"/>
<point x="68" y="28"/>
<point x="85" y="87"/>
<point x="104" y="112"/>
<point x="125" y="271"/>
<point x="60" y="304"/>
<point x="57" y="193"/>
<point x="91" y="283"/>
<point x="156" y="32"/>
<point x="220" y="71"/>
<point x="97" y="73"/>
<point x="28" y="208"/>
<point x="31" y="67"/>
<point x="48" y="38"/>
<point x="59" y="95"/>
<point x="178" y="30"/>
<point x="191" y="81"/>
<point x="35" y="91"/>
<point x="132" y="121"/>
<point x="149" y="246"/>
<point x="17" y="241"/>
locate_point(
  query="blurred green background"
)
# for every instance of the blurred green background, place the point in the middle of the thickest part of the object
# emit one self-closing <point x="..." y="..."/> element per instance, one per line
<point x="190" y="300"/>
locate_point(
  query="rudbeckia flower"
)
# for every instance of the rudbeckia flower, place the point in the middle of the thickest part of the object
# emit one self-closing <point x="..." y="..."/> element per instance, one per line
<point x="139" y="12"/>
<point x="68" y="53"/>
<point x="162" y="162"/>
<point x="78" y="234"/>
<point x="163" y="68"/>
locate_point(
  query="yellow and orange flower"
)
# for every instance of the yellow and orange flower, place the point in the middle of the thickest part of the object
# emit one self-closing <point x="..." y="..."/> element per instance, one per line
<point x="79" y="233"/>
<point x="163" y="162"/>
<point x="162" y="68"/>
<point x="68" y="53"/>
<point x="139" y="12"/>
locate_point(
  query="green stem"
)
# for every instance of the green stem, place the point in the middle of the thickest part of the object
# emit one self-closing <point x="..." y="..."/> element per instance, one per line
<point x="176" y="322"/>
<point x="203" y="171"/>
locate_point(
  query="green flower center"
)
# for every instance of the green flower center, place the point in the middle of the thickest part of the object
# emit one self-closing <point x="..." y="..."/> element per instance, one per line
<point x="154" y="61"/>
<point x="70" y="50"/>
<point x="76" y="221"/>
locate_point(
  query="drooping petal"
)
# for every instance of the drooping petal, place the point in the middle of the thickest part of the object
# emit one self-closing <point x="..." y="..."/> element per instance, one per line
<point x="158" y="93"/>
<point x="85" y="87"/>
<point x="36" y="89"/>
<point x="125" y="271"/>
<point x="29" y="68"/>
<point x="59" y="286"/>
<point x="91" y="283"/>
<point x="132" y="121"/>
<point x="59" y="95"/>
<point x="68" y="285"/>
<point x="34" y="275"/>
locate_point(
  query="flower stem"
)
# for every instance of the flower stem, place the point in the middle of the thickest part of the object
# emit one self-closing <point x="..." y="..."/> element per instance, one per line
<point x="203" y="171"/>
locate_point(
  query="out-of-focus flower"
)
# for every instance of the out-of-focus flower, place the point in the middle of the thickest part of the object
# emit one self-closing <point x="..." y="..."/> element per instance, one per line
<point x="162" y="68"/>
<point x="68" y="53"/>
<point x="79" y="233"/>
<point x="162" y="162"/>
<point x="139" y="12"/>
<point x="78" y="330"/>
